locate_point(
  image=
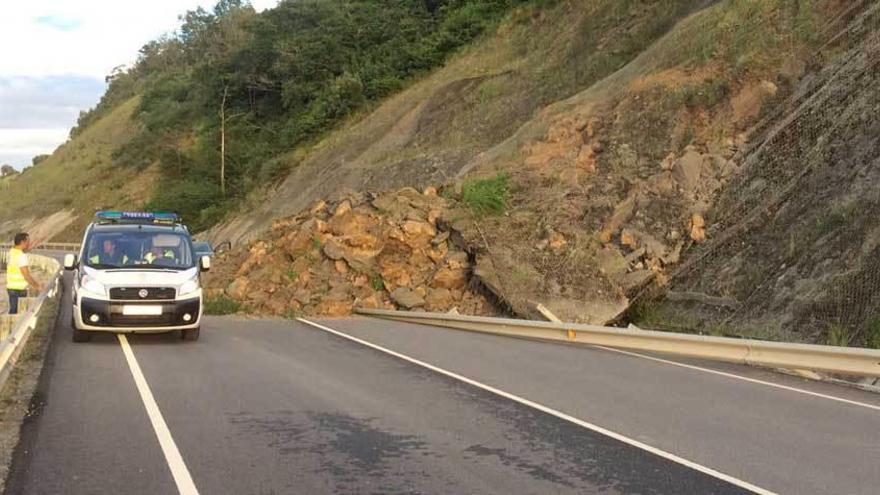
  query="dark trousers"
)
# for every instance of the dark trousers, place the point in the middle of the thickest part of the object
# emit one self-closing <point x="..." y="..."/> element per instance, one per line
<point x="14" y="296"/>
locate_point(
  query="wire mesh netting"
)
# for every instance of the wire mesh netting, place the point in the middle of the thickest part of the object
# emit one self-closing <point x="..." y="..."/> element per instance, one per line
<point x="795" y="241"/>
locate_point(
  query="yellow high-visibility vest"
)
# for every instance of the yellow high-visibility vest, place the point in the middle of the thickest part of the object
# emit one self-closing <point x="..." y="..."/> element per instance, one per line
<point x="97" y="259"/>
<point x="14" y="278"/>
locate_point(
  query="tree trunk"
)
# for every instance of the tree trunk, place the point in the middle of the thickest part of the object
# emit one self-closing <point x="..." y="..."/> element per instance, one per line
<point x="223" y="142"/>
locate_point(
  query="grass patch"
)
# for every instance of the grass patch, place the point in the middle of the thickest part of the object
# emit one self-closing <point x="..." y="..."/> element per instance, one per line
<point x="376" y="282"/>
<point x="872" y="333"/>
<point x="838" y="335"/>
<point x="487" y="196"/>
<point x="221" y="305"/>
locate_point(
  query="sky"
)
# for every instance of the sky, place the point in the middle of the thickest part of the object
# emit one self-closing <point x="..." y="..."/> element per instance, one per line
<point x="54" y="55"/>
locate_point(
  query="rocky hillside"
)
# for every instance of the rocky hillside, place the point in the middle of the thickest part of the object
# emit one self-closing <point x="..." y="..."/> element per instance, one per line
<point x="613" y="178"/>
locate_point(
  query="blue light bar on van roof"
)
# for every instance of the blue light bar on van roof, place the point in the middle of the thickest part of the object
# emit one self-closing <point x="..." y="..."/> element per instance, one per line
<point x="137" y="216"/>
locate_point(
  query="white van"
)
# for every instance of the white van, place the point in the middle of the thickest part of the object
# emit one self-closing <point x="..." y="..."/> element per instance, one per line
<point x="136" y="273"/>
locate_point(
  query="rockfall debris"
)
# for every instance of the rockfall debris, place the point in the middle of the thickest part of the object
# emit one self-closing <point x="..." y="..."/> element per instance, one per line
<point x="373" y="251"/>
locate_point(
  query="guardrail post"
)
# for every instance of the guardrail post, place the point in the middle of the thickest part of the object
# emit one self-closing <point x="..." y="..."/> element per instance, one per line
<point x="25" y="303"/>
<point x="6" y="322"/>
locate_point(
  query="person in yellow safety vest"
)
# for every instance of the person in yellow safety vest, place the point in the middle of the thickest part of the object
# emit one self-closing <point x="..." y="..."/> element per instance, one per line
<point x="157" y="253"/>
<point x="18" y="274"/>
<point x="109" y="255"/>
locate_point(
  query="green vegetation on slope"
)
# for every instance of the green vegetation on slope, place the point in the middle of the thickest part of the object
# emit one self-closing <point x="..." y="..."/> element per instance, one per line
<point x="269" y="82"/>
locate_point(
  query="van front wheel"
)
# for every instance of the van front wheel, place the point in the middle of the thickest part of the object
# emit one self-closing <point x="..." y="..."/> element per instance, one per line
<point x="191" y="335"/>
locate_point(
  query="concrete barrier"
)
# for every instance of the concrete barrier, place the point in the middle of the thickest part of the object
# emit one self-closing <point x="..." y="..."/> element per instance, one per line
<point x="842" y="360"/>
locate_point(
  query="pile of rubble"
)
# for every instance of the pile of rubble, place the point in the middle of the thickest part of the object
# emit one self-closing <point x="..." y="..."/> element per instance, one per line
<point x="373" y="251"/>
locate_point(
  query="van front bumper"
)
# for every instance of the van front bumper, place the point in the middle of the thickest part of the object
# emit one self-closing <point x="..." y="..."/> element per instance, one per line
<point x="111" y="318"/>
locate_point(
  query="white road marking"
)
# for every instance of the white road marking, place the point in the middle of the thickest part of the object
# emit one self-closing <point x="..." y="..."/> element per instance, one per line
<point x="553" y="412"/>
<point x="743" y="378"/>
<point x="179" y="471"/>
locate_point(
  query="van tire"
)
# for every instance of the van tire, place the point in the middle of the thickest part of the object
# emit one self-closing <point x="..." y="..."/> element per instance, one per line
<point x="191" y="335"/>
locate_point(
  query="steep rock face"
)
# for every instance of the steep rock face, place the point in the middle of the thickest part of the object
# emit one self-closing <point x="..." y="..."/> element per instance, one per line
<point x="795" y="240"/>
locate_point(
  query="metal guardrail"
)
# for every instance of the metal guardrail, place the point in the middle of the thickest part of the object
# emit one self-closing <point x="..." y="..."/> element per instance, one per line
<point x="842" y="360"/>
<point x="45" y="246"/>
<point x="22" y="325"/>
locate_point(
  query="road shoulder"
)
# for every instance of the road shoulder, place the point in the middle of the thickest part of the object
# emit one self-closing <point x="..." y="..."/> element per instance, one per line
<point x="22" y="397"/>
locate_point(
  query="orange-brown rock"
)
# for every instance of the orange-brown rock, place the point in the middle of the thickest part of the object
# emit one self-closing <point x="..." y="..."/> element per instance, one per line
<point x="439" y="299"/>
<point x="330" y="307"/>
<point x="238" y="289"/>
<point x="449" y="278"/>
<point x="407" y="298"/>
<point x="351" y="223"/>
<point x="628" y="239"/>
<point x="556" y="241"/>
<point x="698" y="228"/>
<point x="342" y="208"/>
<point x="341" y="266"/>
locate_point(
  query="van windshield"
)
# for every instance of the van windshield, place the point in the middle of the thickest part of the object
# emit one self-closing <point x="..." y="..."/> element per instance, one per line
<point x="138" y="249"/>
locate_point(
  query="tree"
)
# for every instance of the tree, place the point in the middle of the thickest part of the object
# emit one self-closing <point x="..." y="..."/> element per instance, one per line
<point x="7" y="170"/>
<point x="39" y="159"/>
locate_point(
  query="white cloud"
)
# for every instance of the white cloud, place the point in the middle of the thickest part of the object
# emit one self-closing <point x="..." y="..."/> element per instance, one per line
<point x="19" y="146"/>
<point x="98" y="35"/>
<point x="66" y="40"/>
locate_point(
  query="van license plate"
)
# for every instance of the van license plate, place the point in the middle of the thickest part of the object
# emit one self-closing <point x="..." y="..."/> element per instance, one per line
<point x="142" y="310"/>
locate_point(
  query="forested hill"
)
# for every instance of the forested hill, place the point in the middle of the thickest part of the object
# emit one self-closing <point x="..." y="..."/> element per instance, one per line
<point x="269" y="82"/>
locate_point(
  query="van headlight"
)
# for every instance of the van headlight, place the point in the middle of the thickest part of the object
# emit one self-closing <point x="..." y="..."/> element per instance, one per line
<point x="89" y="284"/>
<point x="189" y="286"/>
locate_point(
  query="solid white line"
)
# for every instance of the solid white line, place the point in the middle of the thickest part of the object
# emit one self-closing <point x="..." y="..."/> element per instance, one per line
<point x="179" y="471"/>
<point x="743" y="378"/>
<point x="553" y="412"/>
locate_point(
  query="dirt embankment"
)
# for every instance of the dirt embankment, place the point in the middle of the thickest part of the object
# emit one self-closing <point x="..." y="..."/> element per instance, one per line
<point x="374" y="251"/>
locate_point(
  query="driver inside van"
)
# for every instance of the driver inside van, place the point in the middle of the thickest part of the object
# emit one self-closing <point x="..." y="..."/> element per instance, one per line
<point x="109" y="254"/>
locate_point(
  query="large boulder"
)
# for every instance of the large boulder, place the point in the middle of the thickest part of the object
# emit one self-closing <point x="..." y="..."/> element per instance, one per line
<point x="407" y="298"/>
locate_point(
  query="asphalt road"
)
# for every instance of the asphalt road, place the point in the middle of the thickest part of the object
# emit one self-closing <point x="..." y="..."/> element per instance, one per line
<point x="277" y="406"/>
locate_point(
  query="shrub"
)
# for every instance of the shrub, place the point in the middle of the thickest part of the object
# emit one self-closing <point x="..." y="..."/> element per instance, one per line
<point x="487" y="196"/>
<point x="872" y="333"/>
<point x="221" y="305"/>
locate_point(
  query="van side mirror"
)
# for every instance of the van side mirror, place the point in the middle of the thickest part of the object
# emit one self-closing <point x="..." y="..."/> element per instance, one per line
<point x="205" y="263"/>
<point x="69" y="261"/>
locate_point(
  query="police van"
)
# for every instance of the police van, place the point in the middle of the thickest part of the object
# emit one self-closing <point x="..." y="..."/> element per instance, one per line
<point x="136" y="272"/>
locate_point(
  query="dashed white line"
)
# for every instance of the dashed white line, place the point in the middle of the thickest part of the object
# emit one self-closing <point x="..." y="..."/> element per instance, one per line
<point x="181" y="475"/>
<point x="553" y="412"/>
<point x="743" y="378"/>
